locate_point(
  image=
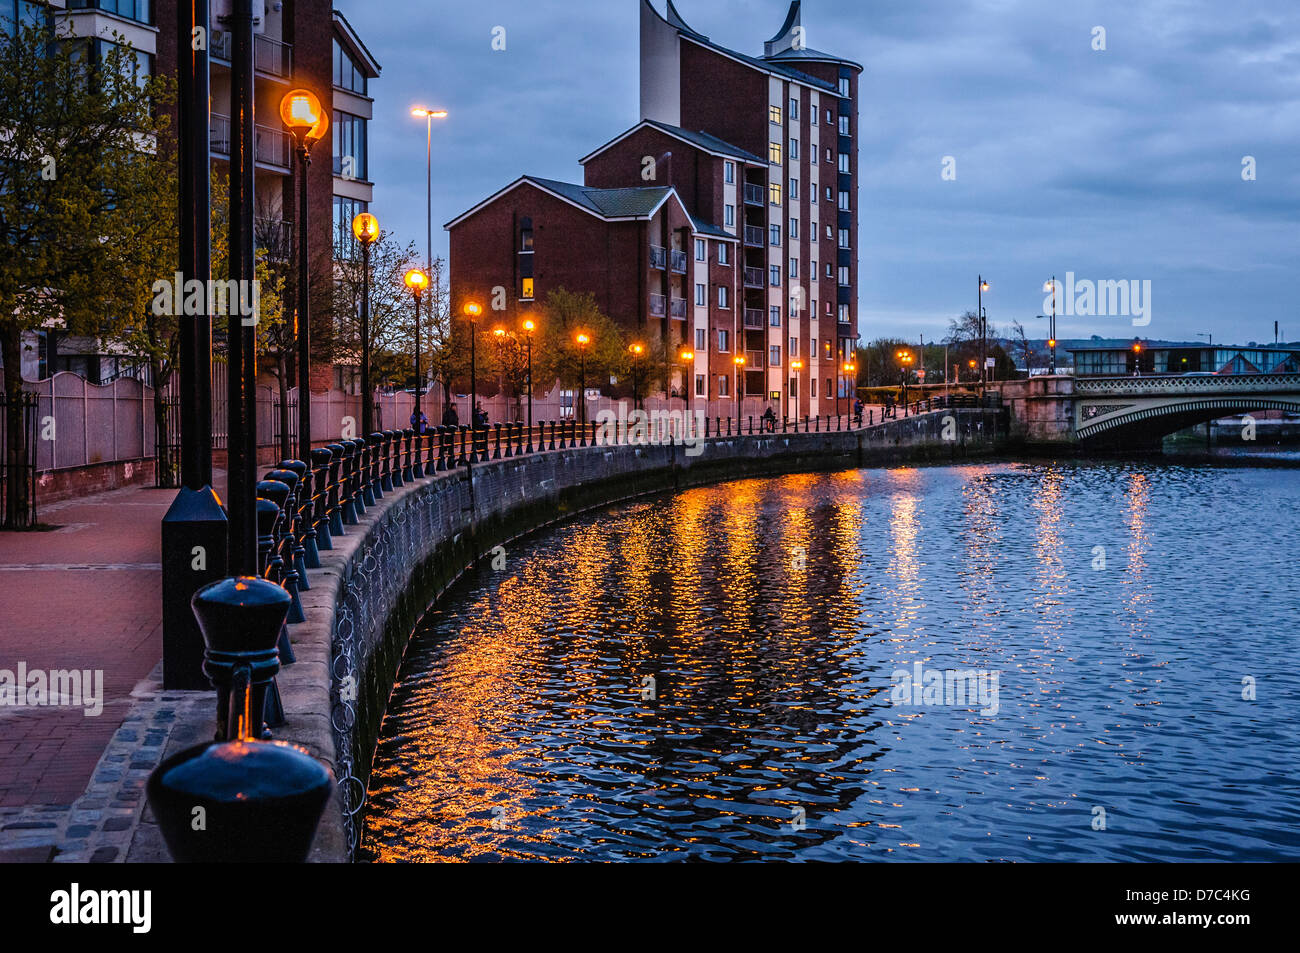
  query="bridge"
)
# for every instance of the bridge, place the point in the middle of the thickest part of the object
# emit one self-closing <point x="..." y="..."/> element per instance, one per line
<point x="1135" y="413"/>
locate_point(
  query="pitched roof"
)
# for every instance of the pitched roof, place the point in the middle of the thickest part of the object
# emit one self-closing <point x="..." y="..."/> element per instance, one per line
<point x="701" y="140"/>
<point x="708" y="228"/>
<point x="607" y="204"/>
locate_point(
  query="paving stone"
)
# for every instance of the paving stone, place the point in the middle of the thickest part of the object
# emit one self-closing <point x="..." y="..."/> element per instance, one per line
<point x="30" y="826"/>
<point x="117" y="824"/>
<point x="104" y="855"/>
<point x="79" y="830"/>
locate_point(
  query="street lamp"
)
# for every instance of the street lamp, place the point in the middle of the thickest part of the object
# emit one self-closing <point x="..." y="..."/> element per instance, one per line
<point x="472" y="310"/>
<point x="1051" y="334"/>
<point x="905" y="361"/>
<point x="1137" y="358"/>
<point x="583" y="340"/>
<point x="984" y="335"/>
<point x="529" y="327"/>
<point x="739" y="360"/>
<point x="795" y="366"/>
<point x="417" y="281"/>
<point x="301" y="112"/>
<point x="637" y="350"/>
<point x="365" y="227"/>
<point x="688" y="384"/>
<point x="849" y="368"/>
<point x="429" y="115"/>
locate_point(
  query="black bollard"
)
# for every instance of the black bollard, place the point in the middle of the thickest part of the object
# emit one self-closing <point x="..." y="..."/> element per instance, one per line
<point x="496" y="451"/>
<point x="296" y="554"/>
<point x="320" y="464"/>
<point x="374" y="485"/>
<point x="333" y="501"/>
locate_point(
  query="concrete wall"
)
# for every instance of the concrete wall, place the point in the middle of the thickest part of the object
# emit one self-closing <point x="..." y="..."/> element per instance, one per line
<point x="378" y="579"/>
<point x="1042" y="410"/>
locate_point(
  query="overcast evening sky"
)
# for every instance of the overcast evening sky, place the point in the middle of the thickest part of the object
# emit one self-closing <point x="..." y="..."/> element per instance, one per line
<point x="1117" y="164"/>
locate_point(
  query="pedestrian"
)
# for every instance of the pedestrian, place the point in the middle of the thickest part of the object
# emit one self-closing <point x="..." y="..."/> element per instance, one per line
<point x="449" y="416"/>
<point x="419" y="422"/>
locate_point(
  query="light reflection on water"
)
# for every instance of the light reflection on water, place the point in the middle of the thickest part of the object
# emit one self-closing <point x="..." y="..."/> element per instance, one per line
<point x="770" y="615"/>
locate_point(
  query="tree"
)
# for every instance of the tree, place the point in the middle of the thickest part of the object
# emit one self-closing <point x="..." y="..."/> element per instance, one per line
<point x="1019" y="336"/>
<point x="557" y="355"/>
<point x="85" y="197"/>
<point x="509" y="359"/>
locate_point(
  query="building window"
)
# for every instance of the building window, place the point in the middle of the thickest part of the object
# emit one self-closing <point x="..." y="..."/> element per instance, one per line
<point x="350" y="146"/>
<point x="844" y="125"/>
<point x="729" y="216"/>
<point x="794" y="189"/>
<point x="729" y="172"/>
<point x="794" y="267"/>
<point x="844" y="238"/>
<point x="699" y="385"/>
<point x="701" y="339"/>
<point x="844" y="87"/>
<point x="138" y="10"/>
<point x="347" y="72"/>
<point x="794" y="347"/>
<point x="826" y="347"/>
<point x="794" y="108"/>
<point x="812" y="270"/>
<point x="724" y="385"/>
<point x="724" y="256"/>
<point x="844" y="201"/>
<point x="794" y="149"/>
<point x="526" y="293"/>
<point x="774" y="114"/>
<point x="828" y="304"/>
<point x="775" y="231"/>
<point x="774" y="153"/>
<point x="830" y="386"/>
<point x="812" y="384"/>
<point x="525" y="234"/>
<point x="722" y="296"/>
<point x="830" y="120"/>
<point x="345" y="210"/>
<point x="794" y="225"/>
<point x="844" y="162"/>
<point x="844" y="274"/>
<point x="828" y="228"/>
<point x="829" y="197"/>
<point x="844" y="314"/>
<point x="813" y="311"/>
<point x="701" y="295"/>
<point x="829" y="274"/>
<point x="774" y="316"/>
<point x="774" y="273"/>
<point x="774" y="355"/>
<point x="812" y="348"/>
<point x="724" y="341"/>
<point x="701" y="250"/>
<point x="774" y="193"/>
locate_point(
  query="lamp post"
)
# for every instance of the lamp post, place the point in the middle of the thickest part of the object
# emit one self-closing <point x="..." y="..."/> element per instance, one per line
<point x="796" y="366"/>
<point x="1137" y="358"/>
<point x="637" y="350"/>
<point x="849" y="369"/>
<point x="429" y="115"/>
<point x="583" y="340"/>
<point x="688" y="385"/>
<point x="365" y="227"/>
<point x="472" y="311"/>
<point x="301" y="112"/>
<point x="529" y="327"/>
<point x="1051" y="332"/>
<point x="905" y="361"/>
<point x="739" y="361"/>
<point x="984" y="336"/>
<point x="417" y="281"/>
<point x="974" y="373"/>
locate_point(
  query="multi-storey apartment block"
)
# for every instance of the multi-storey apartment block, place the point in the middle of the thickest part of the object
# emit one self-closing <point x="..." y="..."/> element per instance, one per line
<point x="760" y="152"/>
<point x="300" y="43"/>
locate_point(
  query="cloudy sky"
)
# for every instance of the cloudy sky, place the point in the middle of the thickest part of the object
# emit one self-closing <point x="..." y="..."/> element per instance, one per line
<point x="1122" y="163"/>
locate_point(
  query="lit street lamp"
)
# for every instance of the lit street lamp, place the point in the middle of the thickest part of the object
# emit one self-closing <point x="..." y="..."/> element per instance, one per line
<point x="637" y="350"/>
<point x="739" y="360"/>
<point x="984" y="336"/>
<point x="472" y="311"/>
<point x="365" y="227"/>
<point x="795" y="366"/>
<point x="429" y="115"/>
<point x="301" y="112"/>
<point x="688" y="386"/>
<point x="905" y="361"/>
<point x="417" y="281"/>
<point x="849" y="369"/>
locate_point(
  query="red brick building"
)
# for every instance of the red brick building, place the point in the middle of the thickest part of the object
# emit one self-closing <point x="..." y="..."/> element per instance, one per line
<point x="758" y="155"/>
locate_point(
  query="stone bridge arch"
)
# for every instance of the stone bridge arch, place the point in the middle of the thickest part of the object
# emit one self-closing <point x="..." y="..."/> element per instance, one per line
<point x="1146" y="423"/>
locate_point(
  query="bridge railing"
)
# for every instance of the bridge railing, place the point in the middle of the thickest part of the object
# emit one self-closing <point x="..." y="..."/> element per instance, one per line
<point x="1154" y="386"/>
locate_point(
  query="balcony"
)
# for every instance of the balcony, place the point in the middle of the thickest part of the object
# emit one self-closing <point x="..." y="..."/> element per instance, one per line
<point x="677" y="308"/>
<point x="658" y="305"/>
<point x="754" y="278"/>
<point x="753" y="319"/>
<point x="658" y="257"/>
<point x="753" y="194"/>
<point x="754" y="360"/>
<point x="270" y="146"/>
<point x="754" y="236"/>
<point x="270" y="56"/>
<point x="678" y="260"/>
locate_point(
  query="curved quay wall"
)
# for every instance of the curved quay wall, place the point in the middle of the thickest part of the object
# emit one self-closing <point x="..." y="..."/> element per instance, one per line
<point x="409" y="547"/>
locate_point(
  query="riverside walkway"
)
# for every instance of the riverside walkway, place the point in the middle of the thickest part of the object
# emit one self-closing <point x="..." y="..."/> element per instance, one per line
<point x="86" y="595"/>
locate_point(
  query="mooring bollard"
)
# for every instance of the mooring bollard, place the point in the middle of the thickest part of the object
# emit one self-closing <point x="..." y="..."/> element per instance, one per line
<point x="392" y="459"/>
<point x="285" y="540"/>
<point x="374" y="487"/>
<point x="297" y="552"/>
<point x="261" y="800"/>
<point x="320" y="464"/>
<point x="333" y="496"/>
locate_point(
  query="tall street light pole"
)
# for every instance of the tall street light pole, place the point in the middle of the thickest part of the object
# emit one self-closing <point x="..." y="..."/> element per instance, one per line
<point x="529" y="327"/>
<point x="795" y="366"/>
<point x="637" y="349"/>
<point x="365" y="227"/>
<point x="417" y="281"/>
<point x="739" y="361"/>
<point x="301" y="111"/>
<point x="583" y="340"/>
<point x="984" y="337"/>
<point x="429" y="115"/>
<point x="472" y="312"/>
<point x="687" y="356"/>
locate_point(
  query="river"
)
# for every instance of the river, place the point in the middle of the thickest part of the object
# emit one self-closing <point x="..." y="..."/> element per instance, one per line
<point x="726" y="673"/>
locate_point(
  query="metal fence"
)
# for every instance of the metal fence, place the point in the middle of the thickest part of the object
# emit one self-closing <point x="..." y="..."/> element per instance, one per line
<point x="79" y="423"/>
<point x="18" y="472"/>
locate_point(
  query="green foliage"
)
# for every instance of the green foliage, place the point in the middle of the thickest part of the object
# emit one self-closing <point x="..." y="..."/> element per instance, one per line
<point x="556" y="353"/>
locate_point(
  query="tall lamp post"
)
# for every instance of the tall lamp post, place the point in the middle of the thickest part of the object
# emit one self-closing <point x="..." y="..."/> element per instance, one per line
<point x="905" y="362"/>
<point x="417" y="281"/>
<point x="688" y="385"/>
<point x="301" y="112"/>
<point x="850" y="373"/>
<point x="1051" y="334"/>
<point x="529" y="327"/>
<point x="583" y="340"/>
<point x="739" y="361"/>
<point x="365" y="227"/>
<point x="796" y="366"/>
<point x="429" y="115"/>
<point x="984" y="336"/>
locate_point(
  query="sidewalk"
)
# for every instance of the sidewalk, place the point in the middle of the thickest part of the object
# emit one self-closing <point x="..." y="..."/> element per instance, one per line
<point x="83" y="596"/>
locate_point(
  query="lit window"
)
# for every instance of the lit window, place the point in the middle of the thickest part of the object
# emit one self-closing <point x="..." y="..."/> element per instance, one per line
<point x="527" y="293"/>
<point x="774" y="193"/>
<point x="774" y="153"/>
<point x="774" y="113"/>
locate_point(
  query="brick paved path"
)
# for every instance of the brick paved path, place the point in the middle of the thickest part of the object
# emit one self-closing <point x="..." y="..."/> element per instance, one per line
<point x="84" y="596"/>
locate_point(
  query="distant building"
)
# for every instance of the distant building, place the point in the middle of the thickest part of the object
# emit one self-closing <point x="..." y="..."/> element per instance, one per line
<point x="1166" y="358"/>
<point x="755" y="254"/>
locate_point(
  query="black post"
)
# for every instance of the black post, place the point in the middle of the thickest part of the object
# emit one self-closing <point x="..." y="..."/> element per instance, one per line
<point x="367" y="398"/>
<point x="241" y="425"/>
<point x="304" y="309"/>
<point x="529" y="339"/>
<point x="473" y="393"/>
<point x="194" y="541"/>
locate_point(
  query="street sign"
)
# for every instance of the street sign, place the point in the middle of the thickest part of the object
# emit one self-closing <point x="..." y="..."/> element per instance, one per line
<point x="920" y="374"/>
<point x="990" y="362"/>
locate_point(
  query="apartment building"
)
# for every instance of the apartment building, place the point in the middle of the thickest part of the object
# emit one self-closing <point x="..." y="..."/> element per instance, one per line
<point x="759" y="151"/>
<point x="299" y="43"/>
